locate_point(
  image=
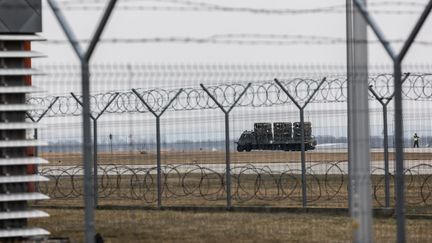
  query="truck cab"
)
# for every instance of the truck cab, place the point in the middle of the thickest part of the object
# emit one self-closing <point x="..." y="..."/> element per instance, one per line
<point x="246" y="141"/>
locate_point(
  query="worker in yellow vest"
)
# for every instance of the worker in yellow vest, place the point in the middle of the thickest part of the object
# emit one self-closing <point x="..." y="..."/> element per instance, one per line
<point x="416" y="140"/>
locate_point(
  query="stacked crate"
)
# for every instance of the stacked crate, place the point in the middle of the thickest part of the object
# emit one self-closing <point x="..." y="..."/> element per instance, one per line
<point x="263" y="132"/>
<point x="297" y="130"/>
<point x="18" y="164"/>
<point x="282" y="132"/>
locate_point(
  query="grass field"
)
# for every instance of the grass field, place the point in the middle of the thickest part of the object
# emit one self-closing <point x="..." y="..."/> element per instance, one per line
<point x="171" y="226"/>
<point x="133" y="225"/>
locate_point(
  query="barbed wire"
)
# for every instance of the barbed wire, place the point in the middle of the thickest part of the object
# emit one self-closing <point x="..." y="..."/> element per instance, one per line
<point x="126" y="70"/>
<point x="260" y="94"/>
<point x="250" y="182"/>
<point x="374" y="3"/>
<point x="237" y="39"/>
<point x="200" y="6"/>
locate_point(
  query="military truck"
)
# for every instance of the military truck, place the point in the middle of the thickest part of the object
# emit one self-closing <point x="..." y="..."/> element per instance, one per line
<point x="284" y="136"/>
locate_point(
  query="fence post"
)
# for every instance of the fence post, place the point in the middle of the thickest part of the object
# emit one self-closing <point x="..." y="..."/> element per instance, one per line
<point x="84" y="58"/>
<point x="385" y="142"/>
<point x="40" y="118"/>
<point x="302" y="135"/>
<point x="227" y="142"/>
<point x="95" y="162"/>
<point x="358" y="127"/>
<point x="158" y="142"/>
<point x="397" y="59"/>
<point x="35" y="135"/>
<point x="95" y="143"/>
<point x="386" y="160"/>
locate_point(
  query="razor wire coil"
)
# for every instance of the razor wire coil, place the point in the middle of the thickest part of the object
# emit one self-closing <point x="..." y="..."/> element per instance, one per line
<point x="417" y="87"/>
<point x="249" y="182"/>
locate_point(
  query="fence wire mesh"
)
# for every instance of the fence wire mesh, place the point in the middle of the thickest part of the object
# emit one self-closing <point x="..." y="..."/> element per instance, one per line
<point x="192" y="133"/>
<point x="214" y="136"/>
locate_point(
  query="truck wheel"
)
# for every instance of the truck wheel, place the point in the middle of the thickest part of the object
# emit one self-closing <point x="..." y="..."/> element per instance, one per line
<point x="240" y="148"/>
<point x="248" y="148"/>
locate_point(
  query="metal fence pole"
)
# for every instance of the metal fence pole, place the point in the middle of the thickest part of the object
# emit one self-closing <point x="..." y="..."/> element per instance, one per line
<point x="385" y="144"/>
<point x="358" y="129"/>
<point x="400" y="182"/>
<point x="88" y="167"/>
<point x="302" y="135"/>
<point x="35" y="135"/>
<point x="349" y="62"/>
<point x="386" y="160"/>
<point x="385" y="140"/>
<point x="95" y="162"/>
<point x="303" y="159"/>
<point x="84" y="58"/>
<point x="111" y="144"/>
<point x="158" y="142"/>
<point x="397" y="60"/>
<point x="158" y="162"/>
<point x="228" y="161"/>
<point x="89" y="146"/>
<point x="95" y="142"/>
<point x="95" y="147"/>
<point x="227" y="142"/>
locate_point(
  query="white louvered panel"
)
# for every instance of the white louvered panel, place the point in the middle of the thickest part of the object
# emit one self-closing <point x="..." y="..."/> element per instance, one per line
<point x="30" y="213"/>
<point x="20" y="54"/>
<point x="29" y="37"/>
<point x="7" y="181"/>
<point x="23" y="161"/>
<point x="20" y="107"/>
<point x="19" y="71"/>
<point x="22" y="178"/>
<point x="18" y="89"/>
<point x="22" y="143"/>
<point x="25" y="196"/>
<point x="18" y="125"/>
<point x="10" y="233"/>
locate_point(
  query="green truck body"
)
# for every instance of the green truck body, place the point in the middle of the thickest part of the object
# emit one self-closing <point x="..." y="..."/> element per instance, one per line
<point x="284" y="136"/>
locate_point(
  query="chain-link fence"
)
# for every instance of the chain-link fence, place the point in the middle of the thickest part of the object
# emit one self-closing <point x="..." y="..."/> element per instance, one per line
<point x="237" y="137"/>
<point x="191" y="142"/>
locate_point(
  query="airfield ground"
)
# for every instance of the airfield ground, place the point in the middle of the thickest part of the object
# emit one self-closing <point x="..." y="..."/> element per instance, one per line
<point x="138" y="225"/>
<point x="172" y="226"/>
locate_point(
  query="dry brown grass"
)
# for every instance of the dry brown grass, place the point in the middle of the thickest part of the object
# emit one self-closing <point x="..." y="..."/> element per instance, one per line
<point x="203" y="157"/>
<point x="170" y="226"/>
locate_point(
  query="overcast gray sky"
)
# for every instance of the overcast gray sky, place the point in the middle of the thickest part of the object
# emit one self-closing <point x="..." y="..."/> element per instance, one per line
<point x="127" y="23"/>
<point x="135" y="23"/>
